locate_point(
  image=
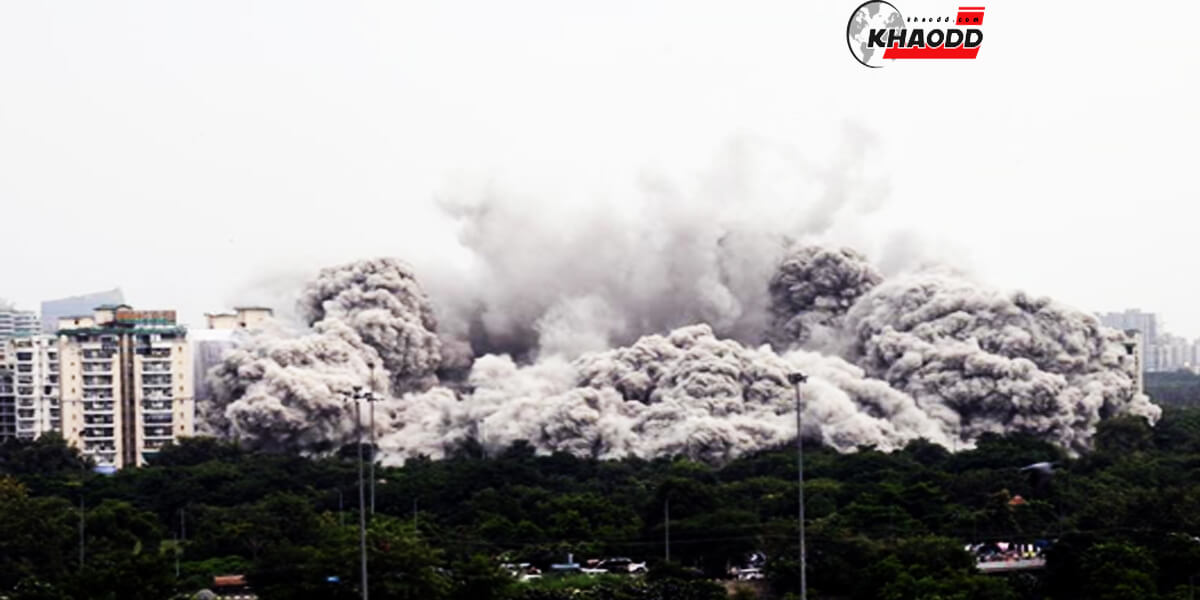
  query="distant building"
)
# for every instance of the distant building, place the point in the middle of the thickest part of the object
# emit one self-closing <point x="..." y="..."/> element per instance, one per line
<point x="1145" y="323"/>
<point x="208" y="350"/>
<point x="126" y="383"/>
<point x="8" y="403"/>
<point x="29" y="392"/>
<point x="210" y="345"/>
<point x="116" y="383"/>
<point x="1173" y="353"/>
<point x="17" y="323"/>
<point x="53" y="310"/>
<point x="243" y="317"/>
<point x="1134" y="359"/>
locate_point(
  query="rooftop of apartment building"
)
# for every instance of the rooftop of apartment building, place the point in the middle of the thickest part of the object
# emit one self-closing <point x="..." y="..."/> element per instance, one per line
<point x="120" y="318"/>
<point x="243" y="317"/>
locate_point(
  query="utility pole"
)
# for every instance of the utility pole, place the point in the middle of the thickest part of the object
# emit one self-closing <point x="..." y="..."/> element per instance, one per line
<point x="362" y="497"/>
<point x="370" y="397"/>
<point x="667" y="522"/>
<point x="796" y="379"/>
<point x="371" y="400"/>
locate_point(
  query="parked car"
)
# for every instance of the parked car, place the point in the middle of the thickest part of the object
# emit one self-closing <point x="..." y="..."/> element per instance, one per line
<point x="749" y="574"/>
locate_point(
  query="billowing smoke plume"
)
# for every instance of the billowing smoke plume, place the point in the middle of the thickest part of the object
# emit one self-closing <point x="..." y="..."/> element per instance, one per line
<point x="811" y="291"/>
<point x="371" y="326"/>
<point x="383" y="304"/>
<point x="686" y="392"/>
<point x="666" y="323"/>
<point x="978" y="360"/>
<point x="567" y="276"/>
<point x="925" y="355"/>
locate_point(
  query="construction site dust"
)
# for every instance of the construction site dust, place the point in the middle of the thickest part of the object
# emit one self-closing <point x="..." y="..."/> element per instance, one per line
<point x="925" y="354"/>
<point x="667" y="324"/>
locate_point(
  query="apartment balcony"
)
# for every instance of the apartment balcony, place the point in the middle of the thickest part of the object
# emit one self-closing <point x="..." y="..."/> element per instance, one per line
<point x="102" y="433"/>
<point x="157" y="419"/>
<point x="95" y="367"/>
<point x="156" y="405"/>
<point x="98" y="419"/>
<point x="93" y="447"/>
<point x="156" y="432"/>
<point x="97" y="407"/>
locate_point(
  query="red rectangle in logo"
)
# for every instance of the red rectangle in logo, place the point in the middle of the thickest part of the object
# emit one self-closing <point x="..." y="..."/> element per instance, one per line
<point x="970" y="16"/>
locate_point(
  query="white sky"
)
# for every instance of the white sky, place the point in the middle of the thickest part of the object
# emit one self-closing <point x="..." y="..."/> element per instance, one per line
<point x="188" y="150"/>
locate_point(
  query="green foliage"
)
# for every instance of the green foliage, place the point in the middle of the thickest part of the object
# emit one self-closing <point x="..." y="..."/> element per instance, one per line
<point x="1126" y="520"/>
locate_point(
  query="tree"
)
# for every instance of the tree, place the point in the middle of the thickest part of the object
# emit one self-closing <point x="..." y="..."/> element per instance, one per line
<point x="1118" y="571"/>
<point x="480" y="578"/>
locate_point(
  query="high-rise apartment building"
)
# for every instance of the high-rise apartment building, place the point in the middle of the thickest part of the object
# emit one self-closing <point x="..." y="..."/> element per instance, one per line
<point x="17" y="323"/>
<point x="126" y="383"/>
<point x="8" y="402"/>
<point x="1145" y="323"/>
<point x="33" y="376"/>
<point x="117" y="384"/>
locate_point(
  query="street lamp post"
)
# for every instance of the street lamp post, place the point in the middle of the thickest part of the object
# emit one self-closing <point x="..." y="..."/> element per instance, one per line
<point x="371" y="398"/>
<point x="796" y="379"/>
<point x="356" y="396"/>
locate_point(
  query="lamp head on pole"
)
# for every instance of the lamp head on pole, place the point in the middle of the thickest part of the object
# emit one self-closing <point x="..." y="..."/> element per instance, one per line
<point x="796" y="378"/>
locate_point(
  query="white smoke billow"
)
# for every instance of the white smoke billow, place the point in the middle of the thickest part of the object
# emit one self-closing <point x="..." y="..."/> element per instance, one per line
<point x="279" y="389"/>
<point x="926" y="354"/>
<point x="811" y="291"/>
<point x="994" y="362"/>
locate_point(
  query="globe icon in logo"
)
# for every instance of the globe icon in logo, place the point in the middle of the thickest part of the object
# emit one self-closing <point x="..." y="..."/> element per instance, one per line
<point x="875" y="14"/>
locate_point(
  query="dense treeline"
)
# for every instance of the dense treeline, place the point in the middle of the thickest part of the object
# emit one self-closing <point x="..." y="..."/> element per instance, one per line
<point x="1175" y="388"/>
<point x="1125" y="519"/>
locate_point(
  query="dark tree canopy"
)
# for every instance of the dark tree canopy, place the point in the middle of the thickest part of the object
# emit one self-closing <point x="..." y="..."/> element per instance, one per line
<point x="1124" y="520"/>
